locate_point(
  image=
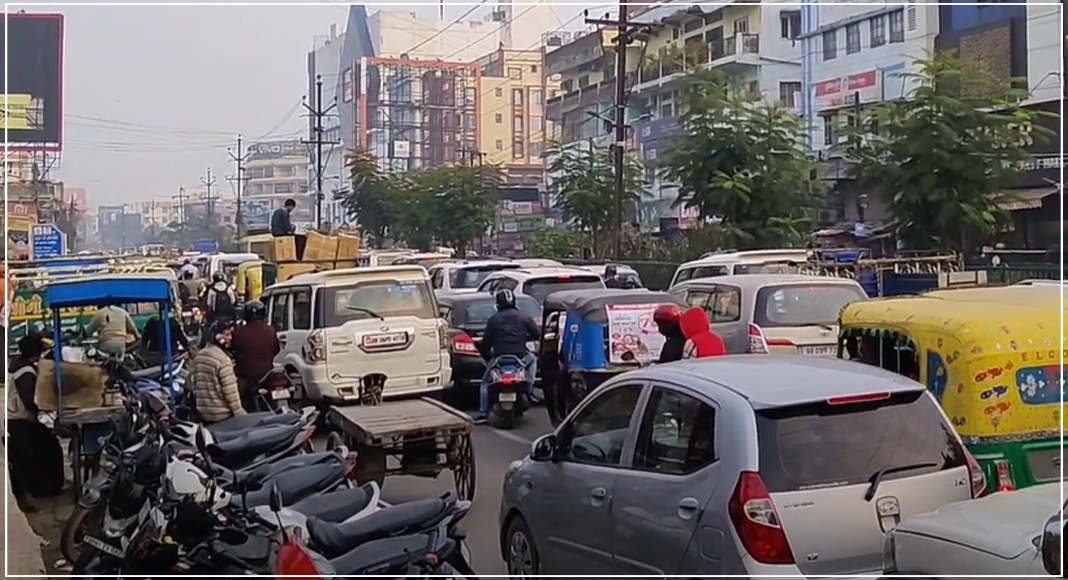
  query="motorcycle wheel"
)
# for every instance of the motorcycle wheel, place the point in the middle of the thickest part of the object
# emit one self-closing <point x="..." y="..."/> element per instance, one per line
<point x="506" y="420"/>
<point x="80" y="520"/>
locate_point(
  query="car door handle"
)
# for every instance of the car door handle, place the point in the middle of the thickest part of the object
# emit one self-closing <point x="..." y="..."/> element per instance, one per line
<point x="342" y="342"/>
<point x="688" y="506"/>
<point x="599" y="493"/>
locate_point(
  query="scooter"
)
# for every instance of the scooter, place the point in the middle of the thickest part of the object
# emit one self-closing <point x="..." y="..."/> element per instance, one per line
<point x="274" y="390"/>
<point x="509" y="390"/>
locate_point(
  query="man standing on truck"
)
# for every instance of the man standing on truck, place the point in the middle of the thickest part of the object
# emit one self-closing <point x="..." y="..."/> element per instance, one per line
<point x="281" y="225"/>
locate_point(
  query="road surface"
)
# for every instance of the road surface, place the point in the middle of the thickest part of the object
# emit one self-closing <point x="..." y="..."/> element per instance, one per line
<point x="495" y="450"/>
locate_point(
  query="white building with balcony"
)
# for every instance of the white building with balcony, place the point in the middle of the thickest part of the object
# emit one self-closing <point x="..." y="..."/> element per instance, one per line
<point x="276" y="171"/>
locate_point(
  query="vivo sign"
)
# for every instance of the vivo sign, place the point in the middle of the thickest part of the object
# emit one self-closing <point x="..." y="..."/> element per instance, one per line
<point x="277" y="149"/>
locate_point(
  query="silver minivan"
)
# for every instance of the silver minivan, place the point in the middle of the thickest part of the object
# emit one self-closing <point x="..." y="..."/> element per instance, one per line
<point x="733" y="465"/>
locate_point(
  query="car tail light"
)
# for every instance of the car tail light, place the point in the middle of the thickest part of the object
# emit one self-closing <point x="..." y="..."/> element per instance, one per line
<point x="756" y="522"/>
<point x="443" y="335"/>
<point x="315" y="349"/>
<point x="975" y="474"/>
<point x="1004" y="474"/>
<point x="759" y="344"/>
<point x="463" y="344"/>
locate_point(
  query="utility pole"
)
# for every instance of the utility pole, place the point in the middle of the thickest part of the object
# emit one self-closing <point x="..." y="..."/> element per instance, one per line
<point x="209" y="199"/>
<point x="181" y="197"/>
<point x="238" y="181"/>
<point x="318" y="113"/>
<point x="627" y="33"/>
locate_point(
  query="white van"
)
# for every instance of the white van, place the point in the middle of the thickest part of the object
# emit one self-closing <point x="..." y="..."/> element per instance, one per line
<point x="339" y="326"/>
<point x="782" y="261"/>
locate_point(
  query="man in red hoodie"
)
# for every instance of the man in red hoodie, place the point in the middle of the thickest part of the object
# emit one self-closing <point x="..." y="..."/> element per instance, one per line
<point x="701" y="342"/>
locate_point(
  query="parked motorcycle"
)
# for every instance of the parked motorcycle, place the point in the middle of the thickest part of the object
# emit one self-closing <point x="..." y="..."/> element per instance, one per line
<point x="509" y="390"/>
<point x="274" y="391"/>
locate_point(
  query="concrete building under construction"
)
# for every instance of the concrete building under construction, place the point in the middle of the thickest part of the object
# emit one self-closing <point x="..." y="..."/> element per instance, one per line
<point x="416" y="113"/>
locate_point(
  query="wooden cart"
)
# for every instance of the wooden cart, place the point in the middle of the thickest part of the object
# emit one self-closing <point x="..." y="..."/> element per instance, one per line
<point x="419" y="437"/>
<point x="89" y="428"/>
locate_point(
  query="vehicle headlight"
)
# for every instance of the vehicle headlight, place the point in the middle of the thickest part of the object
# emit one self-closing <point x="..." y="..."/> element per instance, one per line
<point x="890" y="553"/>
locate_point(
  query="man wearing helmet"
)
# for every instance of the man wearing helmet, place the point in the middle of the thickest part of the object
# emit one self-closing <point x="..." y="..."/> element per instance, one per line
<point x="667" y="317"/>
<point x="215" y="389"/>
<point x="254" y="347"/>
<point x="507" y="333"/>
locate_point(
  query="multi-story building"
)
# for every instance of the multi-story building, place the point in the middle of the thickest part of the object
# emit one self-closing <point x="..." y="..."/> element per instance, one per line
<point x="856" y="55"/>
<point x="324" y="64"/>
<point x="581" y="67"/>
<point x="276" y="171"/>
<point x="512" y="94"/>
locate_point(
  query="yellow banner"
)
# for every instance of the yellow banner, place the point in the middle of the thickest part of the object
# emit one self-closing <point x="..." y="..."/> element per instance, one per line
<point x="20" y="113"/>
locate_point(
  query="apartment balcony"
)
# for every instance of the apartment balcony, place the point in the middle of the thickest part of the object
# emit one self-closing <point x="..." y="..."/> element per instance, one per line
<point x="733" y="54"/>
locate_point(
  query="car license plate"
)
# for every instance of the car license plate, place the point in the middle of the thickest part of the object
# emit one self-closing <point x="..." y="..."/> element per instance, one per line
<point x="385" y="340"/>
<point x="103" y="546"/>
<point x="507" y="397"/>
<point x="280" y="394"/>
<point x="827" y="350"/>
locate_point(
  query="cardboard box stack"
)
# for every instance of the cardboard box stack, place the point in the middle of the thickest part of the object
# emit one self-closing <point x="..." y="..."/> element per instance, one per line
<point x="321" y="252"/>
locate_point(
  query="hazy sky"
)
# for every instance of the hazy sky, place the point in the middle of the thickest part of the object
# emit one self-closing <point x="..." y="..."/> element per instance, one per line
<point x="154" y="94"/>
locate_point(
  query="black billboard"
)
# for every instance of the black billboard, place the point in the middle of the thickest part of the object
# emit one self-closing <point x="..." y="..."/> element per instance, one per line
<point x="33" y="92"/>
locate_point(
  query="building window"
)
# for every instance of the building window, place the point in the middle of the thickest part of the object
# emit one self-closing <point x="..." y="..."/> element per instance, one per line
<point x="789" y="24"/>
<point x="517" y="124"/>
<point x="830" y="45"/>
<point x="584" y="81"/>
<point x="518" y="149"/>
<point x="878" y="31"/>
<point x="789" y="93"/>
<point x="285" y="171"/>
<point x="498" y="92"/>
<point x="268" y="172"/>
<point x="498" y="145"/>
<point x="741" y="25"/>
<point x="753" y="90"/>
<point x="566" y="86"/>
<point x="515" y="72"/>
<point x="828" y="130"/>
<point x="535" y="97"/>
<point x="517" y="97"/>
<point x="535" y="125"/>
<point x="853" y="38"/>
<point x="535" y="150"/>
<point x="533" y="68"/>
<point x="693" y="24"/>
<point x="283" y="188"/>
<point x="498" y="118"/>
<point x="667" y="110"/>
<point x="897" y="26"/>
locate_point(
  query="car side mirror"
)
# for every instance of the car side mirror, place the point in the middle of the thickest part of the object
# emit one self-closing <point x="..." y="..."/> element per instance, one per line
<point x="1050" y="545"/>
<point x="543" y="448"/>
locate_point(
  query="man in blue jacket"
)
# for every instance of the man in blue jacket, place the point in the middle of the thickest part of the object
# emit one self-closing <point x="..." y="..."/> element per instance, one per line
<point x="280" y="223"/>
<point x="507" y="333"/>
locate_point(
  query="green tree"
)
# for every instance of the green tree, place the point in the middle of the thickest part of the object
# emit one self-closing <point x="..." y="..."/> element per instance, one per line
<point x="372" y="198"/>
<point x="941" y="158"/>
<point x="465" y="202"/>
<point x="584" y="188"/>
<point x="196" y="227"/>
<point x="741" y="161"/>
<point x="546" y="241"/>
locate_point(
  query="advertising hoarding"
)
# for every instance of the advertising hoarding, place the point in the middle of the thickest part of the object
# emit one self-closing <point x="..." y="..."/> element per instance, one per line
<point x="33" y="110"/>
<point x="276" y="150"/>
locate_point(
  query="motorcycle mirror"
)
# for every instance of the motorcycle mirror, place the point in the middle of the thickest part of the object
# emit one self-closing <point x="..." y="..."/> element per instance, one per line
<point x="276" y="498"/>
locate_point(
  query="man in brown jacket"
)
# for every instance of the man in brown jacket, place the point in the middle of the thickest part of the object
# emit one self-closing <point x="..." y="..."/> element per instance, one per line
<point x="214" y="382"/>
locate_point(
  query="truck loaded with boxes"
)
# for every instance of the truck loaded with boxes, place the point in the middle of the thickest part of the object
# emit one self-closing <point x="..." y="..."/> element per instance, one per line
<point x="317" y="252"/>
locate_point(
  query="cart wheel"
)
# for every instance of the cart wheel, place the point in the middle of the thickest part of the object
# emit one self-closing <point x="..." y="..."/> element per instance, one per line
<point x="370" y="465"/>
<point x="463" y="466"/>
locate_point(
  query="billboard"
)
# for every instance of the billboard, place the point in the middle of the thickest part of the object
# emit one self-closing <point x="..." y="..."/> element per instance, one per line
<point x="276" y="150"/>
<point x="33" y="113"/>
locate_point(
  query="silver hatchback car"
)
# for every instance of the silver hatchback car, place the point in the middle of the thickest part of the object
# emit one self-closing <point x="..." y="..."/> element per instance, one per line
<point x="749" y="465"/>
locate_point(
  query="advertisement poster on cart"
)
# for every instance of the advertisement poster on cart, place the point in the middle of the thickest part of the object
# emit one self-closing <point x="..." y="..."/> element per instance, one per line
<point x="631" y="328"/>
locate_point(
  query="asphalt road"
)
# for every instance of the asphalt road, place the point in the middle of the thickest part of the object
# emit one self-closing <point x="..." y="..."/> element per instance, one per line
<point x="495" y="450"/>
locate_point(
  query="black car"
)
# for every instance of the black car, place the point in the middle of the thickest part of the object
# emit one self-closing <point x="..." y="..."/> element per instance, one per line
<point x="467" y="315"/>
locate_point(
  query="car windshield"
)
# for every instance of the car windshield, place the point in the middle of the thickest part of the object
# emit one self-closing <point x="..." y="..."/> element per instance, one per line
<point x="767" y="268"/>
<point x="819" y="445"/>
<point x="803" y="304"/>
<point x="477" y="314"/>
<point x="472" y="276"/>
<point x="372" y="299"/>
<point x="701" y="272"/>
<point x="540" y="288"/>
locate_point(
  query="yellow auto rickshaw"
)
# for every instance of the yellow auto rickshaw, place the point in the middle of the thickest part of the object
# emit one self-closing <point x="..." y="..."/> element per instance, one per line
<point x="991" y="356"/>
<point x="252" y="277"/>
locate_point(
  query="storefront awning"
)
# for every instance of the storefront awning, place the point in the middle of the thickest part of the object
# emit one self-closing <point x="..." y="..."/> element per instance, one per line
<point x="1016" y="200"/>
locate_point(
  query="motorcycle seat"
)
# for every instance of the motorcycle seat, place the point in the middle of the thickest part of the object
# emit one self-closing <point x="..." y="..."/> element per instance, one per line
<point x="297" y="484"/>
<point x="335" y="506"/>
<point x="252" y="479"/>
<point x="382" y="555"/>
<point x="251" y="444"/>
<point x="253" y="421"/>
<point x="332" y="539"/>
<point x="149" y="372"/>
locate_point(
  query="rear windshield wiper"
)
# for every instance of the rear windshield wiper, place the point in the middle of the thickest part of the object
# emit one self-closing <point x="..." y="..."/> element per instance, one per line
<point x="822" y="325"/>
<point x="366" y="311"/>
<point x="877" y="477"/>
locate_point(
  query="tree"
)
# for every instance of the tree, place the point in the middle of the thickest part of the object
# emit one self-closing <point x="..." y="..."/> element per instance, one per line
<point x="584" y="188"/>
<point x="741" y="162"/>
<point x="451" y="205"/>
<point x="196" y="227"/>
<point x="371" y="200"/>
<point x="940" y="159"/>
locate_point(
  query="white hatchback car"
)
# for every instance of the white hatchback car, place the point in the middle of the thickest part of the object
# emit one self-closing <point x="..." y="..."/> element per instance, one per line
<point x="465" y="275"/>
<point x="341" y="327"/>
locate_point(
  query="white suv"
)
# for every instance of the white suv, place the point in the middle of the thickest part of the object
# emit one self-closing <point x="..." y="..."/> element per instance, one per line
<point x="466" y="275"/>
<point x="338" y="327"/>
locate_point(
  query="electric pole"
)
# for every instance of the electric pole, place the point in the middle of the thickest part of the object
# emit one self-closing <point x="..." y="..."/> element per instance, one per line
<point x="209" y="199"/>
<point x="318" y="113"/>
<point x="182" y="228"/>
<point x="627" y="33"/>
<point x="238" y="182"/>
